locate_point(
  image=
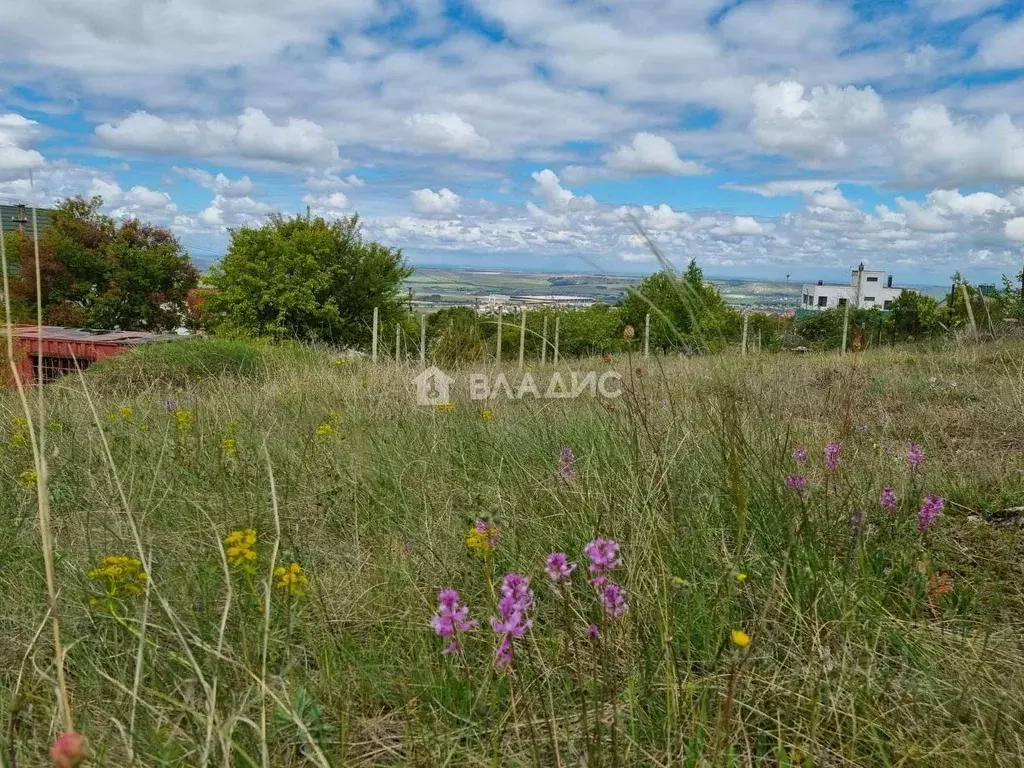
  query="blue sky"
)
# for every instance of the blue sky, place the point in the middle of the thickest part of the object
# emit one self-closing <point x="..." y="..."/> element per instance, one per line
<point x="761" y="137"/>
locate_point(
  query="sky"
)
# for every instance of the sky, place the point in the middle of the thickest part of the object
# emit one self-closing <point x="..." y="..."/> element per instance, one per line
<point x="763" y="138"/>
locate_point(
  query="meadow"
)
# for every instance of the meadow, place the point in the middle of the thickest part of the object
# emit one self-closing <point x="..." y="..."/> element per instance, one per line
<point x="763" y="606"/>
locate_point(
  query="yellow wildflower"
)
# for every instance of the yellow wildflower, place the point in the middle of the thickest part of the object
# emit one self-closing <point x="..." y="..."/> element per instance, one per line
<point x="740" y="638"/>
<point x="325" y="430"/>
<point x="240" y="549"/>
<point x="28" y="478"/>
<point x="741" y="577"/>
<point x="291" y="580"/>
<point x="120" y="576"/>
<point x="488" y="415"/>
<point x="127" y="413"/>
<point x="183" y="420"/>
<point x="229" y="447"/>
<point x="678" y="581"/>
<point x="18" y="430"/>
<point x="444" y="408"/>
<point x="482" y="537"/>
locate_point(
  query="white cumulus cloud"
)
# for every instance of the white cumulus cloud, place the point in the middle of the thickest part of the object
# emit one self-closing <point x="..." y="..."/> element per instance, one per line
<point x="446" y="132"/>
<point x="427" y="202"/>
<point x="250" y="136"/>
<point x="816" y="125"/>
<point x="650" y="155"/>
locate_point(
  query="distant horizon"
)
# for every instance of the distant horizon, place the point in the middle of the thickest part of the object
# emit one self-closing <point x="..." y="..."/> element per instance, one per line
<point x="641" y="275"/>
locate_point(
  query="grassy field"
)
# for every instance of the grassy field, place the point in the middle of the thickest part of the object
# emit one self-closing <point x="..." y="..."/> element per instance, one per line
<point x="870" y="642"/>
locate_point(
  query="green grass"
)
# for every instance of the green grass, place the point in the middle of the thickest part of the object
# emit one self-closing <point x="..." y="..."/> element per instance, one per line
<point x="856" y="657"/>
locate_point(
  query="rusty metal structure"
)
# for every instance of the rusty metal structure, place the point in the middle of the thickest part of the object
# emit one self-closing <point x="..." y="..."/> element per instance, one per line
<point x="67" y="350"/>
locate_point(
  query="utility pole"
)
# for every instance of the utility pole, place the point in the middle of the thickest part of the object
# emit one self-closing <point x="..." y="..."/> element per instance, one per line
<point x="376" y="325"/>
<point x="746" y="322"/>
<point x="647" y="336"/>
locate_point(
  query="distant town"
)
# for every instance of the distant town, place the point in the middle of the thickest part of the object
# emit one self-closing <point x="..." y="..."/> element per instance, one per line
<point x="487" y="290"/>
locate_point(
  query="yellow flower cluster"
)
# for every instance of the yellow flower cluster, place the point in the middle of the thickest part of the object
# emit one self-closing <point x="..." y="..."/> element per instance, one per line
<point x="18" y="430"/>
<point x="229" y="447"/>
<point x="487" y="415"/>
<point x="444" y="408"/>
<point x="482" y="537"/>
<point x="325" y="430"/>
<point x="291" y="580"/>
<point x="183" y="420"/>
<point x="240" y="548"/>
<point x="28" y="478"/>
<point x="120" y="576"/>
<point x="127" y="413"/>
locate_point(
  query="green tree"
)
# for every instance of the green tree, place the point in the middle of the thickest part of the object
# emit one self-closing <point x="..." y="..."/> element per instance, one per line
<point x="307" y="278"/>
<point x="914" y="315"/>
<point x="685" y="311"/>
<point x="104" y="274"/>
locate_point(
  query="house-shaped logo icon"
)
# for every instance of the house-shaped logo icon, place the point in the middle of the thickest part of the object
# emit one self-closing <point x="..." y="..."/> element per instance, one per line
<point x="432" y="387"/>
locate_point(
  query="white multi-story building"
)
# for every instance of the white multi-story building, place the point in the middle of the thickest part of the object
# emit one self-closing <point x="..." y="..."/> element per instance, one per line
<point x="867" y="289"/>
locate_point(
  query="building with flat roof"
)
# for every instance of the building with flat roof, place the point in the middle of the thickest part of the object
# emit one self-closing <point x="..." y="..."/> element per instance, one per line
<point x="867" y="289"/>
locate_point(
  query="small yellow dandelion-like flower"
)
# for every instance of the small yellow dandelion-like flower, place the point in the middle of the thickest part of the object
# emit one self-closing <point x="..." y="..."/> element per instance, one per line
<point x="229" y="447"/>
<point x="240" y="549"/>
<point x="740" y="638"/>
<point x="444" y="408"/>
<point x="291" y="580"/>
<point x="325" y="430"/>
<point x="482" y="537"/>
<point x="678" y="581"/>
<point x="127" y="413"/>
<point x="487" y="415"/>
<point x="120" y="576"/>
<point x="741" y="577"/>
<point x="28" y="478"/>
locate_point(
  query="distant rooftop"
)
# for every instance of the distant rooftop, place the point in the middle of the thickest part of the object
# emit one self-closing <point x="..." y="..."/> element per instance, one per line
<point x="57" y="333"/>
<point x="17" y="217"/>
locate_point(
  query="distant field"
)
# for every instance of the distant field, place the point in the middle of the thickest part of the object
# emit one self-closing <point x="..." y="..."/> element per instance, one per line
<point x="460" y="287"/>
<point x="774" y="612"/>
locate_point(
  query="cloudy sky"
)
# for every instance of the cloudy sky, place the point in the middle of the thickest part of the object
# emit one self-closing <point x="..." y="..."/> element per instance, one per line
<point x="762" y="137"/>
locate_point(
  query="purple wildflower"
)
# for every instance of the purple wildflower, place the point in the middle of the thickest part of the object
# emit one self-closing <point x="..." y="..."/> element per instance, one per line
<point x="796" y="482"/>
<point x="603" y="554"/>
<point x="862" y="428"/>
<point x="888" y="499"/>
<point x="516" y="599"/>
<point x="567" y="465"/>
<point x="451" y="618"/>
<point x="170" y="406"/>
<point x="800" y="455"/>
<point x="559" y="568"/>
<point x="832" y="451"/>
<point x="915" y="455"/>
<point x="614" y="599"/>
<point x="931" y="507"/>
<point x="593" y="633"/>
